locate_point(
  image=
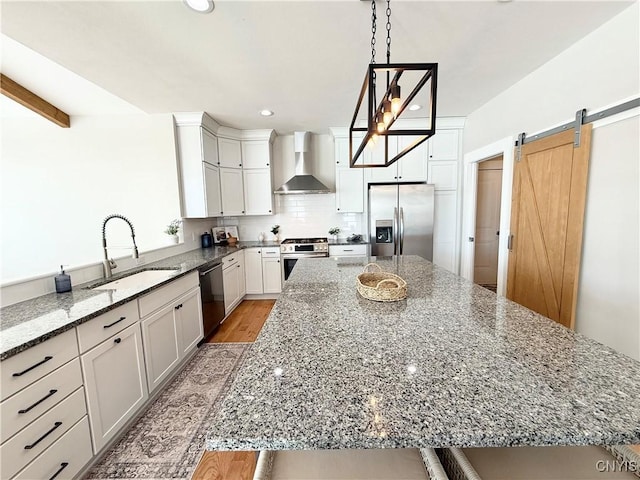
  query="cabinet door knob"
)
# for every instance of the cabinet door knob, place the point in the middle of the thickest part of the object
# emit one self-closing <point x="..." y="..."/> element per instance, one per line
<point x="267" y="164"/>
<point x="240" y="165"/>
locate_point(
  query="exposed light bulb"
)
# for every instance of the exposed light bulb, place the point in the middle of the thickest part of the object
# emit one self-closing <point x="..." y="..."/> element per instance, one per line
<point x="396" y="101"/>
<point x="380" y="124"/>
<point x="373" y="139"/>
<point x="387" y="115"/>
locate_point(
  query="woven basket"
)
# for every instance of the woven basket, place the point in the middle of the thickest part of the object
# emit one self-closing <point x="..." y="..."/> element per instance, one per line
<point x="381" y="286"/>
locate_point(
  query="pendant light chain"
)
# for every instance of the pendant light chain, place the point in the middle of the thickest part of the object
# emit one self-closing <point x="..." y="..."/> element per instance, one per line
<point x="373" y="31"/>
<point x="388" y="31"/>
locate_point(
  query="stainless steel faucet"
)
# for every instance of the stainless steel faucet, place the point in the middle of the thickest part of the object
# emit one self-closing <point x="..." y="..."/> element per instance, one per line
<point x="108" y="263"/>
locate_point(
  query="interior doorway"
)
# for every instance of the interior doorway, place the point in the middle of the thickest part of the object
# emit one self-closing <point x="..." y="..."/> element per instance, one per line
<point x="487" y="232"/>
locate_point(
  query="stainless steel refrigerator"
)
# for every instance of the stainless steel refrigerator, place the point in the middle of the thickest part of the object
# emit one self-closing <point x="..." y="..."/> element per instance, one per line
<point x="401" y="219"/>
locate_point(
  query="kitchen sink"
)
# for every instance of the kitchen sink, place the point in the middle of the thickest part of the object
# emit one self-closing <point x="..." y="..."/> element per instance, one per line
<point x="138" y="281"/>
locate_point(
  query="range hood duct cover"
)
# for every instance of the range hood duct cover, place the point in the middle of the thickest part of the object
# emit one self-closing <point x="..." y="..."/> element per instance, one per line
<point x="303" y="181"/>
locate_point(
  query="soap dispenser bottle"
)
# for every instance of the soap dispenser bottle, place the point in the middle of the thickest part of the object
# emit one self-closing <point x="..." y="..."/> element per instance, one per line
<point x="63" y="281"/>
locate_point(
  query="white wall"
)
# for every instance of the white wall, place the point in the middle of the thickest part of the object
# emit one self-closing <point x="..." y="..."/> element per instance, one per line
<point x="609" y="289"/>
<point x="58" y="185"/>
<point x="600" y="70"/>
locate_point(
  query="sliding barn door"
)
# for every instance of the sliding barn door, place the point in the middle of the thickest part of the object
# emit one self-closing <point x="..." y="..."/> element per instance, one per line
<point x="547" y="212"/>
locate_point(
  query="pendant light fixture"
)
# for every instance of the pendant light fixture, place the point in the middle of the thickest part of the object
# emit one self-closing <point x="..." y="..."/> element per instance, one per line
<point x="392" y="116"/>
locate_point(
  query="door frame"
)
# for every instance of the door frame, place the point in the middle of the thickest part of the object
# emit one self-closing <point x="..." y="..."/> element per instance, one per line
<point x="504" y="147"/>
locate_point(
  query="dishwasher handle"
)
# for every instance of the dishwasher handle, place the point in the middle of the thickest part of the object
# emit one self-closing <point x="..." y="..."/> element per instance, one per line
<point x="206" y="272"/>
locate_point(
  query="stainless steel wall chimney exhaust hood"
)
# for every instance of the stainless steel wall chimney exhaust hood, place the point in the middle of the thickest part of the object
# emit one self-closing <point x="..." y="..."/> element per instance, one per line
<point x="302" y="181"/>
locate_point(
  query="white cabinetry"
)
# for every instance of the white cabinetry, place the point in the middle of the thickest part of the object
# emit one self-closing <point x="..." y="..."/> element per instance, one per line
<point x="229" y="153"/>
<point x="443" y="172"/>
<point x="114" y="379"/>
<point x="233" y="280"/>
<point x="357" y="250"/>
<point x="412" y="167"/>
<point x="256" y="154"/>
<point x="197" y="152"/>
<point x="171" y="326"/>
<point x="263" y="270"/>
<point x="349" y="181"/>
<point x="253" y="270"/>
<point x="43" y="401"/>
<point x="232" y="192"/>
<point x="271" y="270"/>
<point x="258" y="191"/>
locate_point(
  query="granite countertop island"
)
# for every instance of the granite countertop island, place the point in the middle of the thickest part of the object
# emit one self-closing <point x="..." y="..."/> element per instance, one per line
<point x="28" y="323"/>
<point x="452" y="365"/>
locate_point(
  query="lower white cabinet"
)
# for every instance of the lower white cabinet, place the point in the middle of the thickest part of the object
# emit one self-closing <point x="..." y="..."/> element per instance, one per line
<point x="189" y="321"/>
<point x="26" y="446"/>
<point x="271" y="275"/>
<point x="65" y="458"/>
<point x="263" y="270"/>
<point x="233" y="280"/>
<point x="161" y="349"/>
<point x="170" y="333"/>
<point x="253" y="270"/>
<point x="115" y="383"/>
<point x="357" y="250"/>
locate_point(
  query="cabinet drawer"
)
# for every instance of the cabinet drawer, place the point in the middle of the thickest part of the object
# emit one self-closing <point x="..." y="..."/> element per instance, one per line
<point x="100" y="328"/>
<point x="347" y="250"/>
<point x="230" y="259"/>
<point x="26" y="367"/>
<point x="164" y="295"/>
<point x="65" y="458"/>
<point x="41" y="433"/>
<point x="27" y="405"/>
<point x="270" y="252"/>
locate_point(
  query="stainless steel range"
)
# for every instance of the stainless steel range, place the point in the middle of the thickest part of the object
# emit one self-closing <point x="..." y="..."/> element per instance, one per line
<point x="291" y="249"/>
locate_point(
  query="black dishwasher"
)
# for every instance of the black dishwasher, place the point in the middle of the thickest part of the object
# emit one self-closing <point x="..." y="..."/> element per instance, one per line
<point x="212" y="293"/>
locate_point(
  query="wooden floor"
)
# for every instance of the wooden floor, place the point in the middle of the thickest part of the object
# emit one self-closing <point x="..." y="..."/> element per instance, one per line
<point x="243" y="325"/>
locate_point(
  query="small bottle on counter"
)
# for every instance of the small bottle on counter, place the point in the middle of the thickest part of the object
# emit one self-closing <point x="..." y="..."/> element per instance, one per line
<point x="63" y="281"/>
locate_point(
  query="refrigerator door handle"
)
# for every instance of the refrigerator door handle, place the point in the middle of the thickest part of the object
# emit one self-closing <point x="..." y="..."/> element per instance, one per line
<point x="401" y="230"/>
<point x="395" y="230"/>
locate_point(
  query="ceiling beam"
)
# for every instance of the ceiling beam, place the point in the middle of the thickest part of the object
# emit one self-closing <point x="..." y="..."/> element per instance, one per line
<point x="27" y="98"/>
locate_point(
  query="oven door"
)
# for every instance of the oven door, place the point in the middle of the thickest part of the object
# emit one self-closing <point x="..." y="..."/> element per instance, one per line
<point x="289" y="260"/>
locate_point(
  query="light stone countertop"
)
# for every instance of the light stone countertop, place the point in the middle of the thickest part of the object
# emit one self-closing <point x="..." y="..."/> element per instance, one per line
<point x="28" y="323"/>
<point x="452" y="365"/>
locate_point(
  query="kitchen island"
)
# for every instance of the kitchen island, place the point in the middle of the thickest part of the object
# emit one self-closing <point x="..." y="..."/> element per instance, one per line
<point x="452" y="365"/>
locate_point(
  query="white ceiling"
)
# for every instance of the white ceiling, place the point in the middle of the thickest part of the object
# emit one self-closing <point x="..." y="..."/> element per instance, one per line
<point x="303" y="59"/>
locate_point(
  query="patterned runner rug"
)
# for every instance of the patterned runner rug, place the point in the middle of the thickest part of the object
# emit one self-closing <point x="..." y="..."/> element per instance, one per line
<point x="168" y="440"/>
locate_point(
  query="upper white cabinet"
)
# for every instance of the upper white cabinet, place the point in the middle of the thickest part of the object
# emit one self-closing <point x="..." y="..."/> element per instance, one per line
<point x="258" y="191"/>
<point x="349" y="181"/>
<point x="256" y="154"/>
<point x="412" y="167"/>
<point x="209" y="147"/>
<point x="223" y="171"/>
<point x="197" y="154"/>
<point x="229" y="152"/>
<point x="232" y="191"/>
<point x="444" y="145"/>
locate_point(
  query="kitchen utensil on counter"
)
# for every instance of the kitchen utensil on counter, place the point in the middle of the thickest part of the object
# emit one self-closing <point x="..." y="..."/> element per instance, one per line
<point x="206" y="240"/>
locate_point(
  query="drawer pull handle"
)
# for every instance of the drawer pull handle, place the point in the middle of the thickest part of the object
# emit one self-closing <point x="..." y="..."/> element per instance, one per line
<point x="46" y="359"/>
<point x="117" y="340"/>
<point x="55" y="425"/>
<point x="117" y="321"/>
<point x="63" y="465"/>
<point x="348" y="250"/>
<point x="178" y="306"/>
<point x="25" y="410"/>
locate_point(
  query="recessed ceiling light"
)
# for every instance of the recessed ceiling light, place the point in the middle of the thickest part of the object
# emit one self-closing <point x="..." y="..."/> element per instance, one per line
<point x="415" y="107"/>
<point x="200" y="6"/>
<point x="266" y="113"/>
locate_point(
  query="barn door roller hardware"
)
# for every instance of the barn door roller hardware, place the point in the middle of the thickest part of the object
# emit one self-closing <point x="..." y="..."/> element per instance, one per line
<point x="581" y="119"/>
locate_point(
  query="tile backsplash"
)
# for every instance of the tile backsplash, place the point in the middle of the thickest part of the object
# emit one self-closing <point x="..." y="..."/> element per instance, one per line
<point x="310" y="215"/>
